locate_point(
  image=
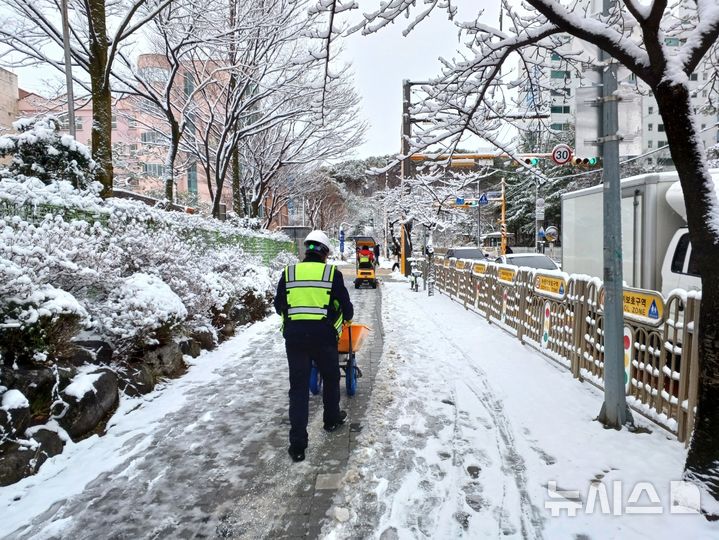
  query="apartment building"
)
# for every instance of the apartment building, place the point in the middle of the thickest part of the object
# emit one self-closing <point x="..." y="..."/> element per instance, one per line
<point x="8" y="99"/>
<point x="567" y="93"/>
<point x="139" y="140"/>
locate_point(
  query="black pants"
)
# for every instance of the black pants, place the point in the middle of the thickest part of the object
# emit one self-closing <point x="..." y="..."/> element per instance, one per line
<point x="300" y="354"/>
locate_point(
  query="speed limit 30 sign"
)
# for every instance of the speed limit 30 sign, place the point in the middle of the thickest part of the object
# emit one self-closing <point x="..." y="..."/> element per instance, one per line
<point x="561" y="154"/>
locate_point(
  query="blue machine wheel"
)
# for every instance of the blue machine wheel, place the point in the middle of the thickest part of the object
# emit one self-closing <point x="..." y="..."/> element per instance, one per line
<point x="351" y="375"/>
<point x="315" y="381"/>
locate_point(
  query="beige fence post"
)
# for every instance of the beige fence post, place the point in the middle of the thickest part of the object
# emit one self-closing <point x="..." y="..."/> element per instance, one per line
<point x="579" y="290"/>
<point x="521" y="287"/>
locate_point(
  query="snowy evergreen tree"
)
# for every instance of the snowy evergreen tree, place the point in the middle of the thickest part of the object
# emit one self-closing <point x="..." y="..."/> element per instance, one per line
<point x="39" y="150"/>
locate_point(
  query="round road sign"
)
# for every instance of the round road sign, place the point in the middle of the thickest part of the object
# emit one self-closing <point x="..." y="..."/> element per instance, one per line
<point x="561" y="154"/>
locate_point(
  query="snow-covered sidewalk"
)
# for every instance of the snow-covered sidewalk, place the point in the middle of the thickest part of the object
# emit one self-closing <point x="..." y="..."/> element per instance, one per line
<point x="204" y="456"/>
<point x="465" y="432"/>
<point x="469" y="430"/>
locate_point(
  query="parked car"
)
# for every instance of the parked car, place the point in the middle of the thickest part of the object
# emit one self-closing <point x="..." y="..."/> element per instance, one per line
<point x="531" y="260"/>
<point x="472" y="253"/>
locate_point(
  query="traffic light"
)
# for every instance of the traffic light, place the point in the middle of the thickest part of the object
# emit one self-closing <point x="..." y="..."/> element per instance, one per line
<point x="533" y="161"/>
<point x="586" y="161"/>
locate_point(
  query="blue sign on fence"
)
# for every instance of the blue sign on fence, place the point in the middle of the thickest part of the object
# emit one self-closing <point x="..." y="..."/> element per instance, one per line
<point x="483" y="199"/>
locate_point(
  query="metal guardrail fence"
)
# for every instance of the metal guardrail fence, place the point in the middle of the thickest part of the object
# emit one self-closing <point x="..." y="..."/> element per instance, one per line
<point x="563" y="318"/>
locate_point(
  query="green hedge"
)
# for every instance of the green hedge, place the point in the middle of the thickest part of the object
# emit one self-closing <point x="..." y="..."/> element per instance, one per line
<point x="265" y="248"/>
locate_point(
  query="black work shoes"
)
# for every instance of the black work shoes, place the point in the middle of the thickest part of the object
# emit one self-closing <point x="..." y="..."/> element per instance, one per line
<point x="297" y="454"/>
<point x="337" y="423"/>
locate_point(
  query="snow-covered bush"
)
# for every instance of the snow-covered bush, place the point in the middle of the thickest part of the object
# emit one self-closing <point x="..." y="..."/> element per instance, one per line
<point x="94" y="250"/>
<point x="40" y="151"/>
<point x="38" y="326"/>
<point x="141" y="310"/>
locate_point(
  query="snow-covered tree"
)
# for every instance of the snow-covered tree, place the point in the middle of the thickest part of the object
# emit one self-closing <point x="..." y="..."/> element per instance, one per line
<point x="39" y="150"/>
<point x="98" y="30"/>
<point x="469" y="97"/>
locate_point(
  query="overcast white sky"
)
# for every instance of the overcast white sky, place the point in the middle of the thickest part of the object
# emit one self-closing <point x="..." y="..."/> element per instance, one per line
<point x="381" y="61"/>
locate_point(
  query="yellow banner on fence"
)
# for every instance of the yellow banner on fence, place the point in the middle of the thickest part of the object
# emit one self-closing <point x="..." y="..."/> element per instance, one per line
<point x="460" y="264"/>
<point x="549" y="285"/>
<point x="446" y="263"/>
<point x="479" y="268"/>
<point x="641" y="305"/>
<point x="644" y="305"/>
<point x="506" y="275"/>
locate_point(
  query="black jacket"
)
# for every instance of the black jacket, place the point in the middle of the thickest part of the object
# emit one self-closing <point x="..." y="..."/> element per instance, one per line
<point x="315" y="329"/>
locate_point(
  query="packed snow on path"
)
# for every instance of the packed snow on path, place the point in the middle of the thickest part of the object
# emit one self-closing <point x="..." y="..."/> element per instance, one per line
<point x="473" y="435"/>
<point x="170" y="459"/>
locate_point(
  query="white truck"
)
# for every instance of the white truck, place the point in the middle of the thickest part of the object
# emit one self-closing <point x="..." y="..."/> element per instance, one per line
<point x="656" y="251"/>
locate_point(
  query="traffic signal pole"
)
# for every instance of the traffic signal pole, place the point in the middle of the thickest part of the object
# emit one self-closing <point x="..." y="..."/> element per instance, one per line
<point x="615" y="412"/>
<point x="406" y="163"/>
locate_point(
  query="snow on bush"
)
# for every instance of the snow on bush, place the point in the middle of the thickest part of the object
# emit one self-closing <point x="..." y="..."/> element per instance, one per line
<point x="39" y="150"/>
<point x="142" y="310"/>
<point x="69" y="257"/>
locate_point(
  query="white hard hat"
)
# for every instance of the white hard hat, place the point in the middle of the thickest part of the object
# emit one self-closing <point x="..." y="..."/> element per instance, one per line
<point x="318" y="238"/>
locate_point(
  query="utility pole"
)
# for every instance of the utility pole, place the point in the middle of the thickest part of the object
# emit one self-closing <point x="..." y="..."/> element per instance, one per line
<point x="503" y="226"/>
<point x="68" y="69"/>
<point x="479" y="218"/>
<point x="615" y="412"/>
<point x="405" y="166"/>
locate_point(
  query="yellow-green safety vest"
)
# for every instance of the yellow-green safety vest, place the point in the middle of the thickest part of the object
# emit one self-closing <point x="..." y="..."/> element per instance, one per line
<point x="309" y="285"/>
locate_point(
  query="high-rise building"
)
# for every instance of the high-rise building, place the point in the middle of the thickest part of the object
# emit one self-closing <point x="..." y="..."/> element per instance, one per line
<point x="566" y="91"/>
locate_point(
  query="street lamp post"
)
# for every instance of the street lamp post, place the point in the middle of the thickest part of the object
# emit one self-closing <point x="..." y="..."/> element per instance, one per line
<point x="68" y="68"/>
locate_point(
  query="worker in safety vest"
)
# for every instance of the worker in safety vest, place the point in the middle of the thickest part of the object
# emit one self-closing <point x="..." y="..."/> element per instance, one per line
<point x="365" y="257"/>
<point x="314" y="303"/>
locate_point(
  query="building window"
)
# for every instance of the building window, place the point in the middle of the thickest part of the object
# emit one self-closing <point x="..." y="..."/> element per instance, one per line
<point x="660" y="127"/>
<point x="650" y="144"/>
<point x="560" y="109"/>
<point x="192" y="179"/>
<point x="704" y="126"/>
<point x="556" y="56"/>
<point x="662" y="143"/>
<point x="153" y="169"/>
<point x="133" y="148"/>
<point x="559" y="127"/>
<point x="190" y="126"/>
<point x="155" y="74"/>
<point x="650" y="127"/>
<point x="559" y="74"/>
<point x="189" y="83"/>
<point x="693" y="77"/>
<point x="672" y="41"/>
<point x="114" y="122"/>
<point x="151" y="137"/>
<point x="132" y="123"/>
<point x="650" y="110"/>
